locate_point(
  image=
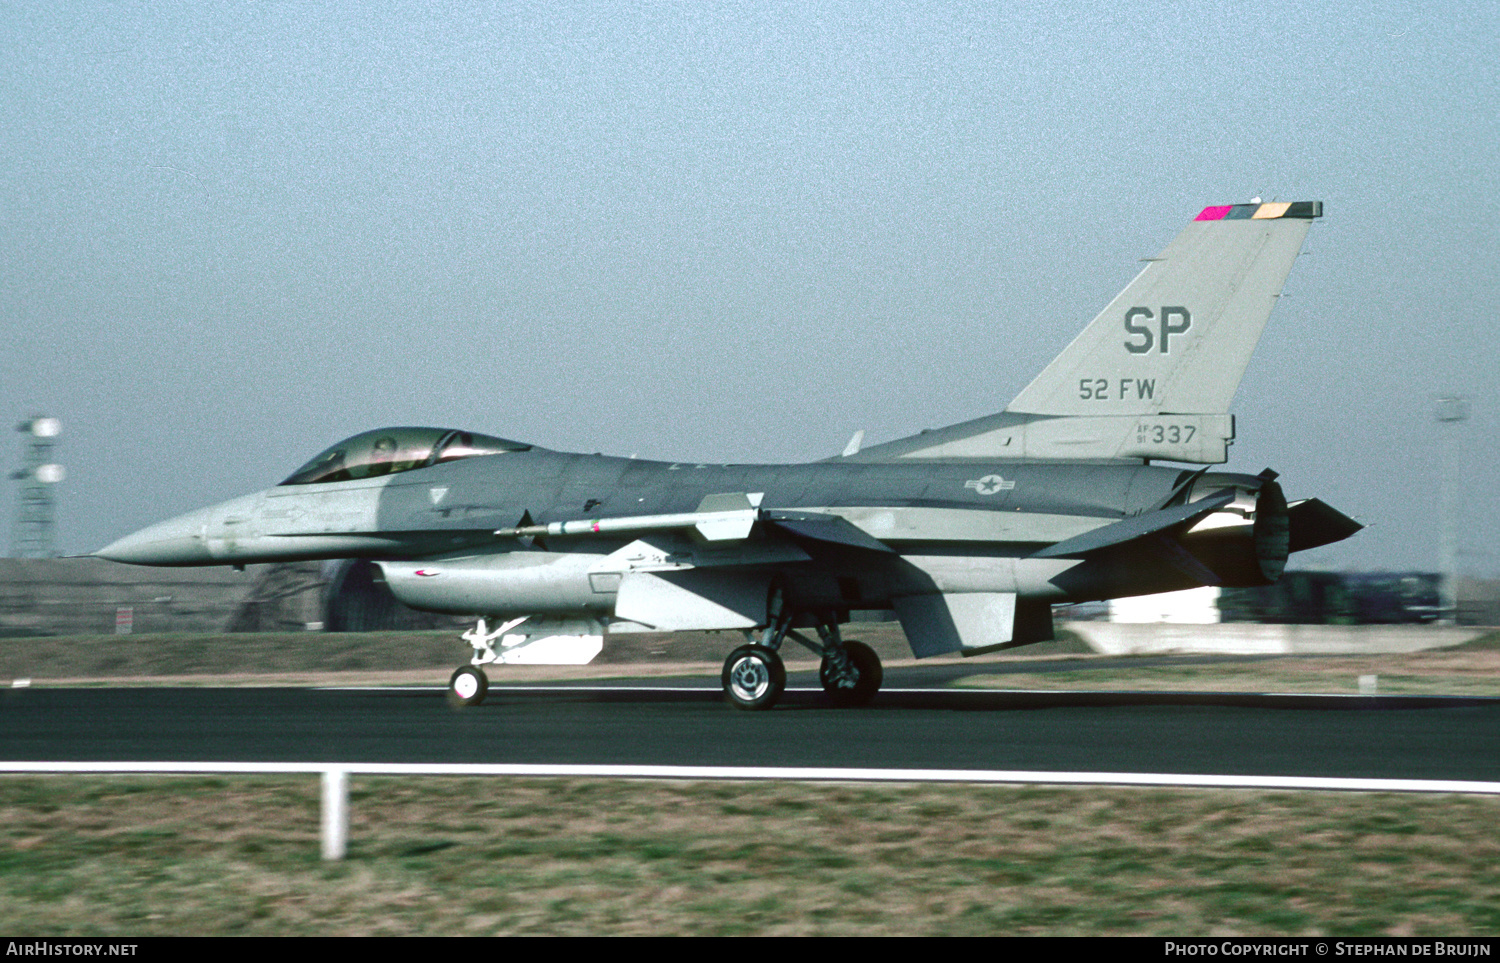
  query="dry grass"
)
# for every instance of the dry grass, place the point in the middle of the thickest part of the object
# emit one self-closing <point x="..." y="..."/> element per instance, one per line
<point x="1458" y="671"/>
<point x="140" y="856"/>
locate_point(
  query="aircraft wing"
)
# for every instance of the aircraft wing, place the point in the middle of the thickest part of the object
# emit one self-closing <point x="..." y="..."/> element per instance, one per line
<point x="697" y="570"/>
<point x="672" y="581"/>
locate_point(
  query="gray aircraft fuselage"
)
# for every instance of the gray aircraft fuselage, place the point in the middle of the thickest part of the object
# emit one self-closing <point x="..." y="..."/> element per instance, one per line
<point x="950" y="526"/>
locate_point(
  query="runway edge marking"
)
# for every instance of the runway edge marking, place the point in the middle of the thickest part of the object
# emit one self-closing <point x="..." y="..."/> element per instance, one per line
<point x="791" y="773"/>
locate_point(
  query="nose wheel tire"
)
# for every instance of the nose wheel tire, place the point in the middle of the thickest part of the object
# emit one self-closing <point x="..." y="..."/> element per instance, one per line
<point x="754" y="677"/>
<point x="468" y="686"/>
<point x="870" y="676"/>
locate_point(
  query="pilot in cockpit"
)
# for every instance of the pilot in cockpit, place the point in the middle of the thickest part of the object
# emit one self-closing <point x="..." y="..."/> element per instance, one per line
<point x="382" y="457"/>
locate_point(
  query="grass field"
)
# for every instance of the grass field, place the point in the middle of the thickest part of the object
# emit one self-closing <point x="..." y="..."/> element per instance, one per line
<point x="118" y="856"/>
<point x="1472" y="669"/>
<point x="123" y="856"/>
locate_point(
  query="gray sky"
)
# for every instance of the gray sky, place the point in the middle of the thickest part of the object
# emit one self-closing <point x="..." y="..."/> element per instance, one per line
<point x="230" y="237"/>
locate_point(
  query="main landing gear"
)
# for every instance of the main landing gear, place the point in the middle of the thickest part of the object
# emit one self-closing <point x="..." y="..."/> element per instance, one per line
<point x="754" y="676"/>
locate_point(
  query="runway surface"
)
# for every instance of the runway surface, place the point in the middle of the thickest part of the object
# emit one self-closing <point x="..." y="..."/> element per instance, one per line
<point x="913" y="723"/>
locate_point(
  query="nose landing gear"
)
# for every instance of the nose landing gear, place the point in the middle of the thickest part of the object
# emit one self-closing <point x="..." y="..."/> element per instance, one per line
<point x="468" y="686"/>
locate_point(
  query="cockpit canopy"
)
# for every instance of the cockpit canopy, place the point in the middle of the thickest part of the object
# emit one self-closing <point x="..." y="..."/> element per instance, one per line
<point x="386" y="451"/>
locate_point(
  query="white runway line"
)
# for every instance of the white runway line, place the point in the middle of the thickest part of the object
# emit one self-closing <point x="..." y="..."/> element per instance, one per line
<point x="501" y="689"/>
<point x="754" y="773"/>
<point x="536" y="688"/>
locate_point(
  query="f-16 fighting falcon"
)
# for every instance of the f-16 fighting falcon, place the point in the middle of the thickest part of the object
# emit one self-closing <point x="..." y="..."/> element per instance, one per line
<point x="969" y="533"/>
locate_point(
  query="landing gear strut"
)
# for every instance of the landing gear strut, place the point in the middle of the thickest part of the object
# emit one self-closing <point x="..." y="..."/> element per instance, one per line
<point x="754" y="676"/>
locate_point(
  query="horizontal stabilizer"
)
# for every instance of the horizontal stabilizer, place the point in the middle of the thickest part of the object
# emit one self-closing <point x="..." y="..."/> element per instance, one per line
<point x="1314" y="524"/>
<point x="1136" y="527"/>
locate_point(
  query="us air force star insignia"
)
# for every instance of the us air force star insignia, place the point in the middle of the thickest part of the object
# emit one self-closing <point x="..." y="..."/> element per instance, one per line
<point x="436" y="494"/>
<point x="989" y="485"/>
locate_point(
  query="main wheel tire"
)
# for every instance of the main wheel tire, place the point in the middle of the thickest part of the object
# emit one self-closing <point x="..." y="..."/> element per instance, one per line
<point x="867" y="663"/>
<point x="754" y="677"/>
<point x="468" y="686"/>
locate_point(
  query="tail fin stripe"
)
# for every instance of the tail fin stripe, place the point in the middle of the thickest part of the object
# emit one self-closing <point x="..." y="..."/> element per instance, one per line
<point x="1302" y="210"/>
<point x="1268" y="211"/>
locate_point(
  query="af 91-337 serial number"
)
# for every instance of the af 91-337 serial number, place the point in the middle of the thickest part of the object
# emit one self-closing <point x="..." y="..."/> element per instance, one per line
<point x="1164" y="434"/>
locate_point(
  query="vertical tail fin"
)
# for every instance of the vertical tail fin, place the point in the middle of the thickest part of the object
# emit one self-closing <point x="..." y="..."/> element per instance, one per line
<point x="1153" y="375"/>
<point x="1178" y="338"/>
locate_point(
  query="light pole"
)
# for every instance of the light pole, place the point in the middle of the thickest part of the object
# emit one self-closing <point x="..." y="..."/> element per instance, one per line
<point x="1451" y="412"/>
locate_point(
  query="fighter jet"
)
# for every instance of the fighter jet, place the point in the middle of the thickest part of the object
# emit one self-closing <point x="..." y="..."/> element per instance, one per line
<point x="1077" y="491"/>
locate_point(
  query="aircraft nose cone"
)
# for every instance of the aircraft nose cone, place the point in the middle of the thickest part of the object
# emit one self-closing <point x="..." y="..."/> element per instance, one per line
<point x="175" y="542"/>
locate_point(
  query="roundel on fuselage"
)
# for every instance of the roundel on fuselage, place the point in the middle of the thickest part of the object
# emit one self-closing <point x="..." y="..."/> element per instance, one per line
<point x="386" y="451"/>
